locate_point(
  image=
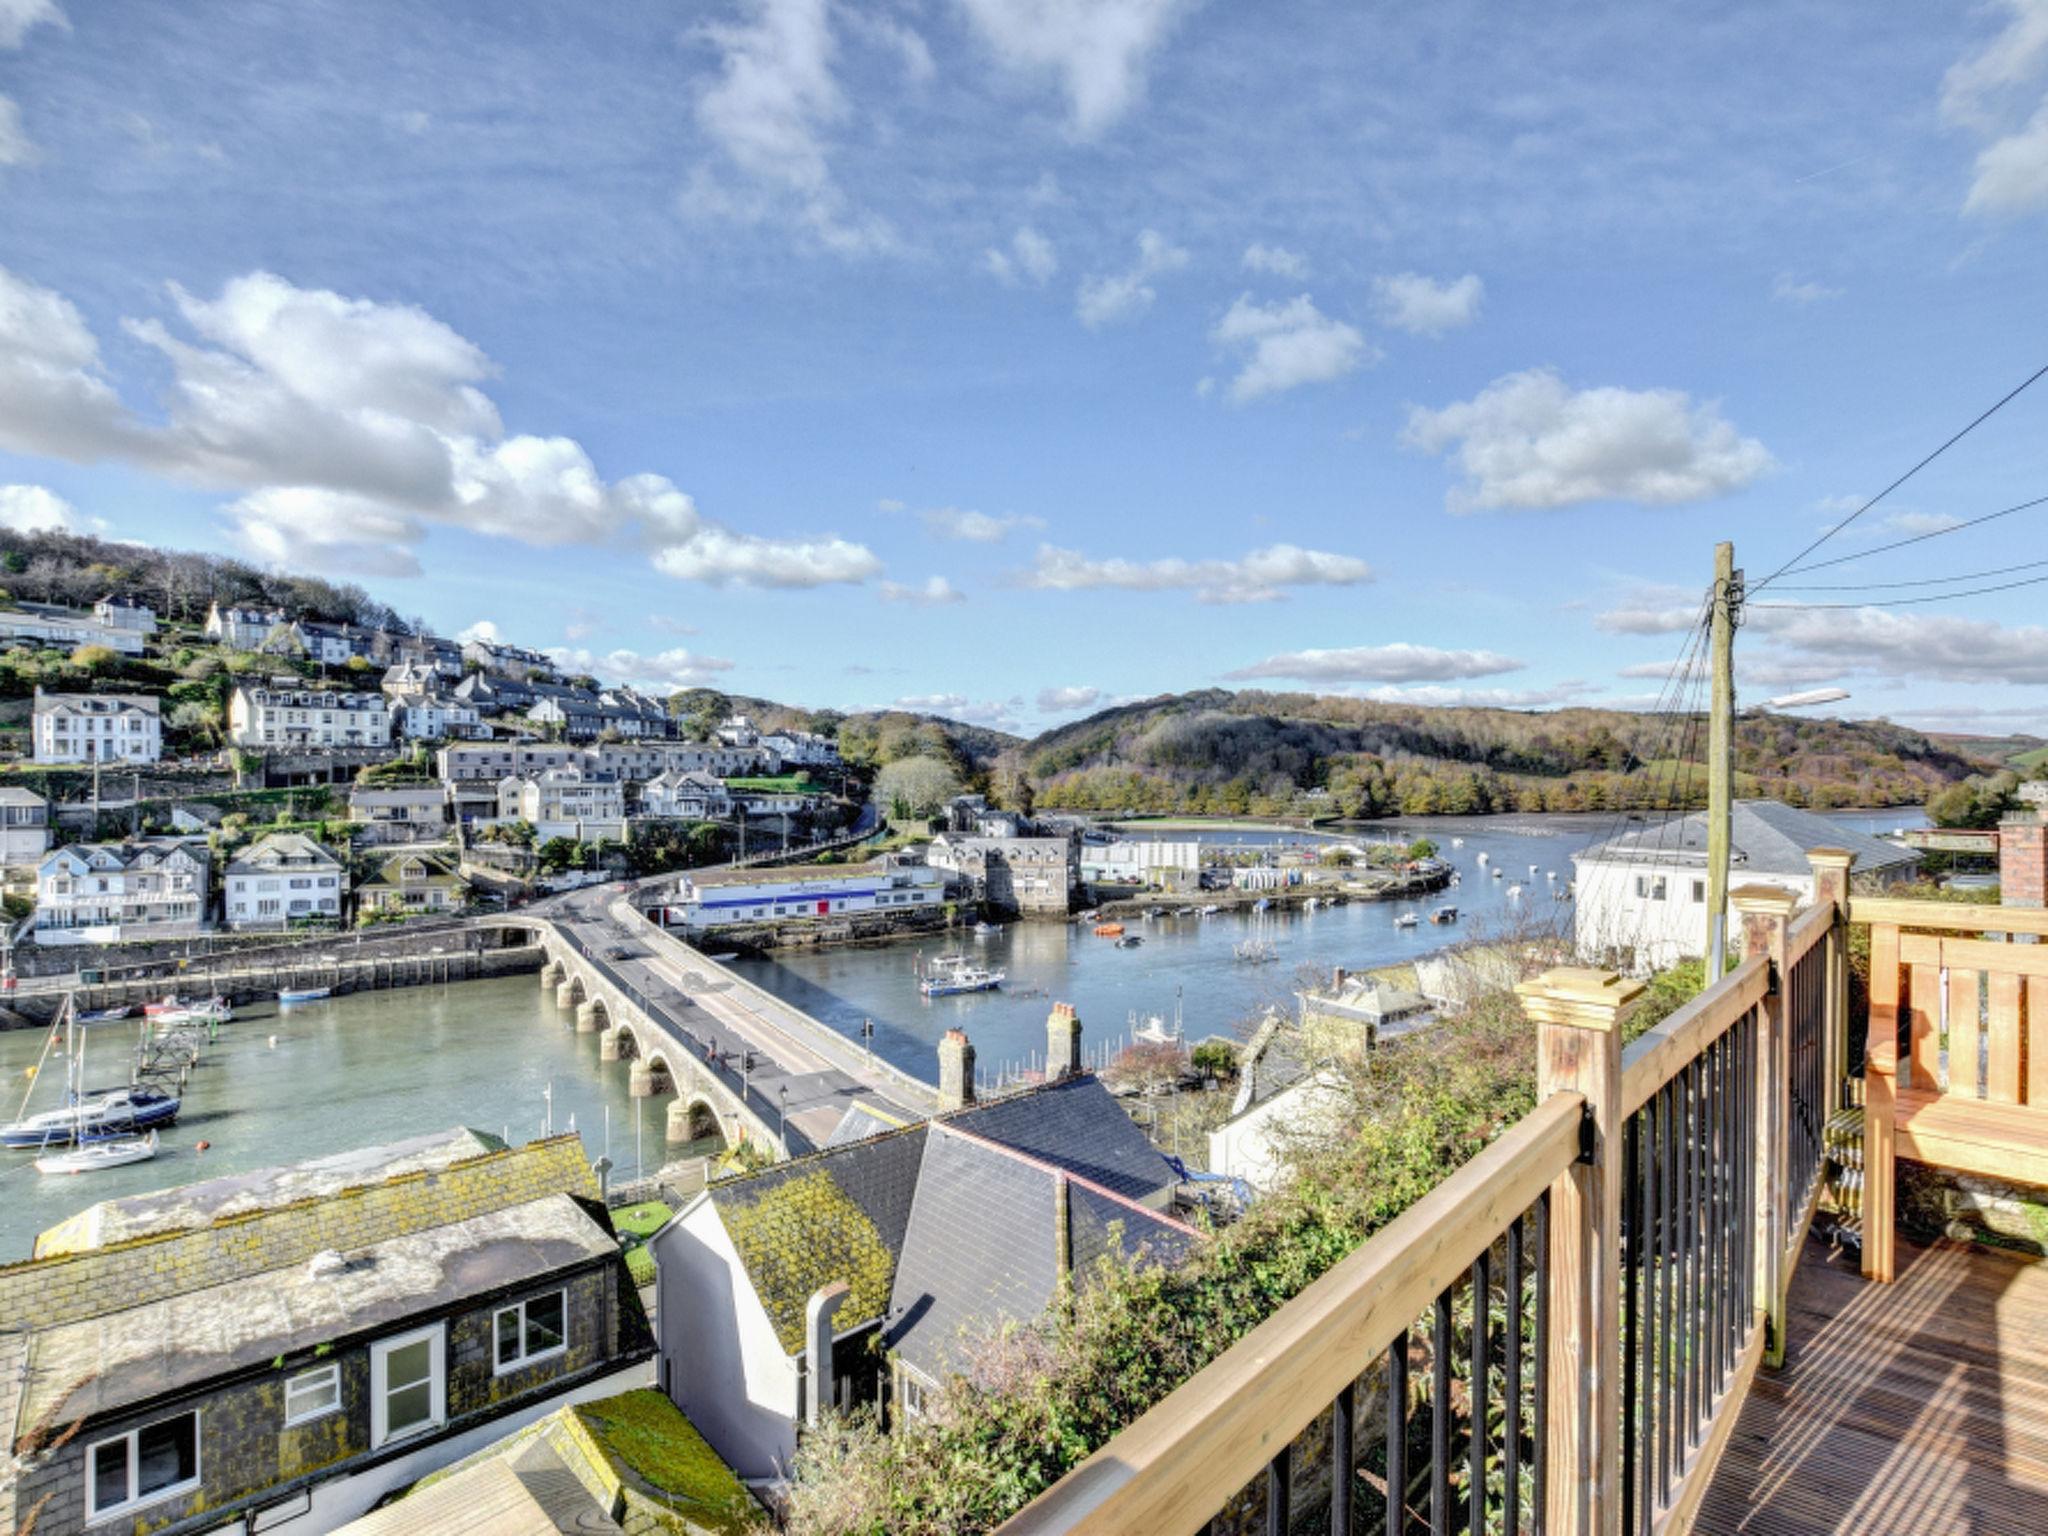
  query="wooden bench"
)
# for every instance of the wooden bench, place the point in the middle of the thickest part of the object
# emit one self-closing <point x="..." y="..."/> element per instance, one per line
<point x="1980" y="1105"/>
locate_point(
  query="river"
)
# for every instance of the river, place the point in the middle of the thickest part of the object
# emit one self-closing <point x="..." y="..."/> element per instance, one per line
<point x="1191" y="963"/>
<point x="348" y="1072"/>
<point x="377" y="1066"/>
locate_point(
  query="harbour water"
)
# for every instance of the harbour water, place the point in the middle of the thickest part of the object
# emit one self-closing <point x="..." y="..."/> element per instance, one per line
<point x="347" y="1072"/>
<point x="1191" y="963"/>
<point x="377" y="1066"/>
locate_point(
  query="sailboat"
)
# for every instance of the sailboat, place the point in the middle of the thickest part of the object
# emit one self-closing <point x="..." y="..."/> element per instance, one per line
<point x="89" y="1115"/>
<point x="94" y="1155"/>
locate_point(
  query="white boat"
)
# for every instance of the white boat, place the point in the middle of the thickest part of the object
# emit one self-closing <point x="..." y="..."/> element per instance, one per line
<point x="1514" y="893"/>
<point x="172" y="1010"/>
<point x="1496" y="874"/>
<point x="1256" y="952"/>
<point x="292" y="995"/>
<point x="94" y="1155"/>
<point x="1406" y="920"/>
<point x="951" y="974"/>
<point x="1263" y="904"/>
<point x="986" y="930"/>
<point x="1457" y="842"/>
<point x="1211" y="910"/>
<point x="1484" y="859"/>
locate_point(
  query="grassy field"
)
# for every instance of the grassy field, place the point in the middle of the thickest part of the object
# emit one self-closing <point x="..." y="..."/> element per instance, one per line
<point x="780" y="784"/>
<point x="637" y="1223"/>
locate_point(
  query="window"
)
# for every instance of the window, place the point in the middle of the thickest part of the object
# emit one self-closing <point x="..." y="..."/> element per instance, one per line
<point x="312" y="1394"/>
<point x="142" y="1466"/>
<point x="407" y="1384"/>
<point x="1650" y="887"/>
<point x="1699" y="891"/>
<point x="533" y="1330"/>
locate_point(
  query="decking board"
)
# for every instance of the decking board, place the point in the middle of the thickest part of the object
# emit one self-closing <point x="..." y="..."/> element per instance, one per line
<point x="1914" y="1409"/>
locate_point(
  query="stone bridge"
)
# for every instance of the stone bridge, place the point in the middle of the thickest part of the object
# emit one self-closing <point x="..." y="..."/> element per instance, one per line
<point x="710" y="1100"/>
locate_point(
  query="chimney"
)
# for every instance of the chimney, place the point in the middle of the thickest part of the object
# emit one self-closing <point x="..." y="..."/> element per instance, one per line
<point x="819" y="1315"/>
<point x="1062" y="1043"/>
<point x="1337" y="977"/>
<point x="2023" y="860"/>
<point x="956" y="1070"/>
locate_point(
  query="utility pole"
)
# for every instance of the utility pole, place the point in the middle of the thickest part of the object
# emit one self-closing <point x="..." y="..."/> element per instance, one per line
<point x="1726" y="614"/>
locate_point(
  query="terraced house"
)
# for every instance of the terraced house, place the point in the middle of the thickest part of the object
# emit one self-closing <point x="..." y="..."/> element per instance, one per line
<point x="97" y="728"/>
<point x="282" y="879"/>
<point x="281" y="1349"/>
<point x="287" y="716"/>
<point x="95" y="893"/>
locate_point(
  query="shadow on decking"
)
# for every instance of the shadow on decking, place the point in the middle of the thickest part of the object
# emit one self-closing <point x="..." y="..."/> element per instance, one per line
<point x="1920" y="1407"/>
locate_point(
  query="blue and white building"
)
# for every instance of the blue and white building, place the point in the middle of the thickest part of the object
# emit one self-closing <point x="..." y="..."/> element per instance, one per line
<point x="759" y="896"/>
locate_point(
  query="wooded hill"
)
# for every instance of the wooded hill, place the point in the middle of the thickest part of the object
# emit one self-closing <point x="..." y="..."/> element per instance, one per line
<point x="1220" y="752"/>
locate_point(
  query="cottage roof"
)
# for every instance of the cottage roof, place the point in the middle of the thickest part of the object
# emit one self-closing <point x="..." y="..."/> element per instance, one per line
<point x="95" y="703"/>
<point x="398" y="794"/>
<point x="188" y="1207"/>
<point x="147" y="854"/>
<point x="100" y="1364"/>
<point x="389" y="873"/>
<point x="1766" y="838"/>
<point x="282" y="850"/>
<point x="14" y="794"/>
<point x="1077" y="1125"/>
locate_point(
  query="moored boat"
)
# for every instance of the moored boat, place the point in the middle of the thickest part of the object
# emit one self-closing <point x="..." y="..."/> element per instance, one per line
<point x="93" y="1155"/>
<point x="1406" y="920"/>
<point x="1444" y="914"/>
<point x="1109" y="930"/>
<point x="952" y="974"/>
<point x="290" y="995"/>
<point x="95" y="1117"/>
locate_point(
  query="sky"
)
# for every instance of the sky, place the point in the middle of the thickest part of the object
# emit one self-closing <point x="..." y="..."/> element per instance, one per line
<point x="1009" y="358"/>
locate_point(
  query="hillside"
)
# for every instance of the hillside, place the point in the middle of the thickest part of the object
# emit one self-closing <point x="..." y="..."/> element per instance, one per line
<point x="1216" y="751"/>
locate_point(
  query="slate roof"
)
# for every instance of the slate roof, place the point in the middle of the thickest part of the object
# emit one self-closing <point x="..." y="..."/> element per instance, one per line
<point x="982" y="1249"/>
<point x="834" y="1215"/>
<point x="1074" y="1124"/>
<point x="1766" y="838"/>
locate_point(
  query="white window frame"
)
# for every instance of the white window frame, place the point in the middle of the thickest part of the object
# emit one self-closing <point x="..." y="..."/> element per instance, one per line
<point x="324" y="1376"/>
<point x="94" y="1513"/>
<point x="507" y="1367"/>
<point x="380" y="1388"/>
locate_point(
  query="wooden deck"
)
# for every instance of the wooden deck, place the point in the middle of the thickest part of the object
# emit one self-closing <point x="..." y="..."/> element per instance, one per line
<point x="1919" y="1407"/>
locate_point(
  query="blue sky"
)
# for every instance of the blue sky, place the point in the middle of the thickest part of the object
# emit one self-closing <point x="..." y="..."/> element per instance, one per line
<point x="1013" y="356"/>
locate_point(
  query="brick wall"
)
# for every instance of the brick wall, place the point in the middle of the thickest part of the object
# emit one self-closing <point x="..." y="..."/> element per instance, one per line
<point x="68" y="1287"/>
<point x="2023" y="861"/>
<point x="246" y="1451"/>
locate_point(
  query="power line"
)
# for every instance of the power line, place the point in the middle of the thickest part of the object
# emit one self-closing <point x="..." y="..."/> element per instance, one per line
<point x="1865" y="554"/>
<point x="1901" y="602"/>
<point x="1928" y="581"/>
<point x="1993" y="410"/>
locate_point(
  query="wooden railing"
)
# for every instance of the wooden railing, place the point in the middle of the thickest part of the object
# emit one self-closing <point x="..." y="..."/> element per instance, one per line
<point x="1587" y="1300"/>
<point x="1970" y="1011"/>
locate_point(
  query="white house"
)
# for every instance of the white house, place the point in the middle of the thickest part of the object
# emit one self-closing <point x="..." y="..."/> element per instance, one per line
<point x="285" y="716"/>
<point x="439" y="717"/>
<point x="570" y="801"/>
<point x="280" y="879"/>
<point x="66" y="629"/>
<point x="24" y="826"/>
<point x="96" y="728"/>
<point x="738" y="731"/>
<point x="1142" y="861"/>
<point x="745" y="896"/>
<point x="1642" y="896"/>
<point x="117" y="612"/>
<point x="400" y="813"/>
<point x="502" y="660"/>
<point x="97" y="893"/>
<point x="241" y="629"/>
<point x="687" y="796"/>
<point x="805" y="749"/>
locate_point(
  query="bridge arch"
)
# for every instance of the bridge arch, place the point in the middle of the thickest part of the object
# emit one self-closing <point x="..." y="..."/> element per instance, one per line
<point x="653" y="1076"/>
<point x="695" y="1121"/>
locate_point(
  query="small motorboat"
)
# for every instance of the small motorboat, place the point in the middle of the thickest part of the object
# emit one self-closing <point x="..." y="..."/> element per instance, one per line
<point x="1263" y="904"/>
<point x="1444" y="914"/>
<point x="172" y="1010"/>
<point x="1496" y="874"/>
<point x="1406" y="920"/>
<point x="105" y="1016"/>
<point x="115" y="1152"/>
<point x="290" y="995"/>
<point x="1155" y="913"/>
<point x="1109" y="930"/>
<point x="1485" y="858"/>
<point x="952" y="974"/>
<point x="1514" y="893"/>
<point x="1211" y="910"/>
<point x="1129" y="941"/>
<point x="986" y="930"/>
<point x="1457" y="842"/>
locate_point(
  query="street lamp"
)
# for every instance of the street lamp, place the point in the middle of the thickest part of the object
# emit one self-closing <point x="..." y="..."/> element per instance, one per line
<point x="1809" y="698"/>
<point x="782" y="1120"/>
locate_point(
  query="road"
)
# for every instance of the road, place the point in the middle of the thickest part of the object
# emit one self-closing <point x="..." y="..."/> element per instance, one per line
<point x="822" y="1074"/>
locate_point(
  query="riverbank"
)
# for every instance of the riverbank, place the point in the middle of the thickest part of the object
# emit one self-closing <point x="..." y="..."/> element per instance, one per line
<point x="1362" y="886"/>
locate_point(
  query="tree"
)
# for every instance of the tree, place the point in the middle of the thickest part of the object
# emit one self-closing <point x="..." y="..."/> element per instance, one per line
<point x="916" y="786"/>
<point x="95" y="659"/>
<point x="558" y="854"/>
<point x="1976" y="802"/>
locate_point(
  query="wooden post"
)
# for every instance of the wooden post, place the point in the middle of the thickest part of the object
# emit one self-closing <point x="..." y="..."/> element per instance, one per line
<point x="1880" y="1091"/>
<point x="1726" y="610"/>
<point x="1831" y="868"/>
<point x="1765" y="911"/>
<point x="1578" y="1014"/>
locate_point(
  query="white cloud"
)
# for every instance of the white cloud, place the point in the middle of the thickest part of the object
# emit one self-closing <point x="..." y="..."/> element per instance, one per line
<point x="1289" y="343"/>
<point x="35" y="509"/>
<point x="1436" y="696"/>
<point x="1275" y="260"/>
<point x="1527" y="440"/>
<point x="20" y="17"/>
<point x="1396" y="663"/>
<point x="1648" y="608"/>
<point x="483" y="631"/>
<point x="774" y="100"/>
<point x="1829" y="644"/>
<point x="1030" y="258"/>
<point x="958" y="706"/>
<point x="1067" y="701"/>
<point x="1920" y="522"/>
<point x="675" y="668"/>
<point x="353" y="427"/>
<point x="976" y="527"/>
<point x="1789" y="290"/>
<point x="933" y="592"/>
<point x="15" y="146"/>
<point x="1096" y="49"/>
<point x="1422" y="306"/>
<point x="1259" y="577"/>
<point x="1105" y="299"/>
<point x="1990" y="92"/>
